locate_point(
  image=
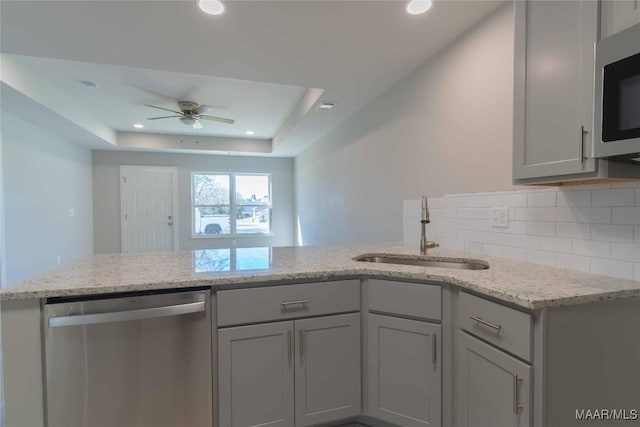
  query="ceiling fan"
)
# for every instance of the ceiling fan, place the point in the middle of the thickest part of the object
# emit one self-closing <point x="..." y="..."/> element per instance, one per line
<point x="190" y="114"/>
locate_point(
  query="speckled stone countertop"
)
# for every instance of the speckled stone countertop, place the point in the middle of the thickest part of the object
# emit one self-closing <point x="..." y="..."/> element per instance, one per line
<point x="527" y="285"/>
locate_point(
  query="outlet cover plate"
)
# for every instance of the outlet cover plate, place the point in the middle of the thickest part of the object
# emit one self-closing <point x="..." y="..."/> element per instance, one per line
<point x="499" y="217"/>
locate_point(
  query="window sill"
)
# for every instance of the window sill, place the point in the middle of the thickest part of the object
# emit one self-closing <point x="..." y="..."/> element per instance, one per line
<point x="230" y="236"/>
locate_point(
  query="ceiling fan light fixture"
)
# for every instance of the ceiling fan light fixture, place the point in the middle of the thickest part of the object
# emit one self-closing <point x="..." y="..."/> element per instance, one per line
<point x="188" y="121"/>
<point x="211" y="7"/>
<point x="416" y="7"/>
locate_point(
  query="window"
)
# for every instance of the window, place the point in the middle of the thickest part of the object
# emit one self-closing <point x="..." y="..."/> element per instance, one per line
<point x="231" y="204"/>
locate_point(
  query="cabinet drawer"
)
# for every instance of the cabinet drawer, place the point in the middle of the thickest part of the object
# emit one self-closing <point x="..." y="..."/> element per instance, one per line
<point x="409" y="299"/>
<point x="288" y="301"/>
<point x="502" y="326"/>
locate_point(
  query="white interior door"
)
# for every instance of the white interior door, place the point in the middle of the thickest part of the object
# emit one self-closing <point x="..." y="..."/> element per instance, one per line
<point x="149" y="209"/>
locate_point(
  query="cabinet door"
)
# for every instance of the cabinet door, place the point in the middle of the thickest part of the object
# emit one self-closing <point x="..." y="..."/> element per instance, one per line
<point x="494" y="389"/>
<point x="618" y="15"/>
<point x="327" y="369"/>
<point x="255" y="375"/>
<point x="404" y="371"/>
<point x="553" y="87"/>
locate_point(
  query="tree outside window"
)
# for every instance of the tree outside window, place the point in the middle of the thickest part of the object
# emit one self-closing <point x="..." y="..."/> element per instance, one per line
<point x="231" y="204"/>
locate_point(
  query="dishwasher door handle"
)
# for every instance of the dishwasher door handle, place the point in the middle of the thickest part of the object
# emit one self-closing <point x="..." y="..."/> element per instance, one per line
<point x="123" y="316"/>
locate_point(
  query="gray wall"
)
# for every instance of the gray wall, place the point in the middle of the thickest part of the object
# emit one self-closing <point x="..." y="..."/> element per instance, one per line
<point x="445" y="128"/>
<point x="44" y="176"/>
<point x="106" y="188"/>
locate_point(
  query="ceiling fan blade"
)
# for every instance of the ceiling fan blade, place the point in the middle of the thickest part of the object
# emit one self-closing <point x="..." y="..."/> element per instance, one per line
<point x="217" y="119"/>
<point x="162" y="108"/>
<point x="163" y="117"/>
<point x="202" y="109"/>
<point x="197" y="125"/>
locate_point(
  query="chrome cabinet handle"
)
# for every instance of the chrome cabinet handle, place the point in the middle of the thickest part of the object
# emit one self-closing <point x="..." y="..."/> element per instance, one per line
<point x="301" y="336"/>
<point x="582" y="134"/>
<point x="122" y="316"/>
<point x="289" y="345"/>
<point x="301" y="302"/>
<point x="484" y="322"/>
<point x="434" y="346"/>
<point x="516" y="406"/>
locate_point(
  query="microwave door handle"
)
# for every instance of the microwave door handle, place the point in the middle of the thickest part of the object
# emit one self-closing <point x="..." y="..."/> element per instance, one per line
<point x="123" y="316"/>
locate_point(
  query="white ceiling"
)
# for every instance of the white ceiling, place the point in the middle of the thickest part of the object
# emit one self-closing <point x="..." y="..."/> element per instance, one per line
<point x="256" y="60"/>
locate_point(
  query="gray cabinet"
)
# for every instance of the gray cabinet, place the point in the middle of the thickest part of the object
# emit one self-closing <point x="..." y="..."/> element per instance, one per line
<point x="405" y="377"/>
<point x="553" y="89"/>
<point x="494" y="389"/>
<point x="255" y="375"/>
<point x="327" y="369"/>
<point x="617" y="15"/>
<point x="291" y="373"/>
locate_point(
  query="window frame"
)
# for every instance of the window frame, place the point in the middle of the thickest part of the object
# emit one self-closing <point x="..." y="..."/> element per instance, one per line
<point x="232" y="205"/>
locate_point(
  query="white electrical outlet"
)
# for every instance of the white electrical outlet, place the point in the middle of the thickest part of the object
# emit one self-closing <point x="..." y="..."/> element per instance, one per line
<point x="499" y="217"/>
<point x="58" y="259"/>
<point x="72" y="212"/>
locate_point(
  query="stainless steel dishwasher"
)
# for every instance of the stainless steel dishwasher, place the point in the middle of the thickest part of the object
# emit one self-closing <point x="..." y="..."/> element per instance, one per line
<point x="132" y="361"/>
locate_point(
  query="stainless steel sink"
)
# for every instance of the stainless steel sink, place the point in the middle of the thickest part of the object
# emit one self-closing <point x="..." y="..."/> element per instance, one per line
<point x="423" y="262"/>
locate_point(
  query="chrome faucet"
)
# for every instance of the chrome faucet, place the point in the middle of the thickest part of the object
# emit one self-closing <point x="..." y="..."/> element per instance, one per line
<point x="424" y="243"/>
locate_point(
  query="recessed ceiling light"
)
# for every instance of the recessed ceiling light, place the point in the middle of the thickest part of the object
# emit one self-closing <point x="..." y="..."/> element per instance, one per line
<point x="212" y="7"/>
<point x="325" y="106"/>
<point x="250" y="132"/>
<point x="89" y="85"/>
<point x="138" y="126"/>
<point x="416" y="7"/>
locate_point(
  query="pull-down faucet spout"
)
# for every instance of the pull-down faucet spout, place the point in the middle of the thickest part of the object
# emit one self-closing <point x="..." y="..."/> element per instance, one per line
<point x="424" y="243"/>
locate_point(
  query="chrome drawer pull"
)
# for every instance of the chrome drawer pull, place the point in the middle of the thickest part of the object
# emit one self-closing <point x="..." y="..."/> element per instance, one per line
<point x="301" y="302"/>
<point x="484" y="322"/>
<point x="516" y="406"/>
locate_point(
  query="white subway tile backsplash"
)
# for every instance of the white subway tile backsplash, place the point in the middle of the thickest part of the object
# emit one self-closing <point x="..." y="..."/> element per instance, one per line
<point x="556" y="244"/>
<point x="626" y="215"/>
<point x="526" y="241"/>
<point x="625" y="251"/>
<point x="541" y="228"/>
<point x="556" y="214"/>
<point x="528" y="214"/>
<point x="515" y="227"/>
<point x="519" y="254"/>
<point x="592" y="248"/>
<point x="544" y="198"/>
<point x="574" y="198"/>
<point x="541" y="257"/>
<point x="573" y="262"/>
<point x="608" y="267"/>
<point x="493" y="250"/>
<point x="483" y="201"/>
<point x="613" y="197"/>
<point x="593" y="228"/>
<point x="503" y="239"/>
<point x="574" y="231"/>
<point x="592" y="215"/>
<point x="473" y="247"/>
<point x="513" y="199"/>
<point x="612" y="233"/>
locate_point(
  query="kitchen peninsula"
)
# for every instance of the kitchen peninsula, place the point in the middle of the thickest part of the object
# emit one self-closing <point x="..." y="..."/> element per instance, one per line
<point x="546" y="341"/>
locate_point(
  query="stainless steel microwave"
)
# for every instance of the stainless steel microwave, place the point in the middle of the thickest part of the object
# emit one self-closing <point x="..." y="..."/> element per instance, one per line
<point x="616" y="121"/>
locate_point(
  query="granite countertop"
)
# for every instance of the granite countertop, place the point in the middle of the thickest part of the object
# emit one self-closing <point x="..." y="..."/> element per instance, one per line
<point x="527" y="285"/>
